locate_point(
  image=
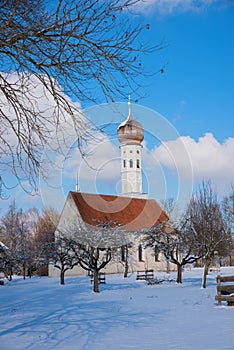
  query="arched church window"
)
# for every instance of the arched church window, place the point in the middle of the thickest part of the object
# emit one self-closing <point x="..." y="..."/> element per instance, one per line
<point x="123" y="253"/>
<point x="140" y="253"/>
<point x="156" y="253"/>
<point x="131" y="163"/>
<point x="124" y="163"/>
<point x="138" y="164"/>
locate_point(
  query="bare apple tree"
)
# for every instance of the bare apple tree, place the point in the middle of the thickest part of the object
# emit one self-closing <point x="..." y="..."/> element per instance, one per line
<point x="208" y="225"/>
<point x="228" y="211"/>
<point x="63" y="254"/>
<point x="174" y="239"/>
<point x="95" y="245"/>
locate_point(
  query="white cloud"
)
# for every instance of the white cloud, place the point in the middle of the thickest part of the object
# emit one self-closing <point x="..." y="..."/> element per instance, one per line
<point x="179" y="161"/>
<point x="32" y="95"/>
<point x="37" y="129"/>
<point x="209" y="158"/>
<point x="206" y="158"/>
<point x="102" y="161"/>
<point x="170" y="6"/>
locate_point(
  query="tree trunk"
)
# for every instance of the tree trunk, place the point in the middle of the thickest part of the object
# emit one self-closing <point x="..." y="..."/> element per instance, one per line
<point x="168" y="266"/>
<point x="10" y="274"/>
<point x="179" y="274"/>
<point x="95" y="281"/>
<point x="62" y="279"/>
<point x="24" y="272"/>
<point x="205" y="272"/>
<point x="126" y="269"/>
<point x="30" y="272"/>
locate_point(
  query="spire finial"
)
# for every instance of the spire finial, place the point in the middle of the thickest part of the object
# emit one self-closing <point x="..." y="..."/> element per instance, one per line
<point x="129" y="104"/>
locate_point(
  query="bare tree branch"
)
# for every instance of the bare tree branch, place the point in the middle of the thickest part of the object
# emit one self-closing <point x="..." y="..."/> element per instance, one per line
<point x="55" y="52"/>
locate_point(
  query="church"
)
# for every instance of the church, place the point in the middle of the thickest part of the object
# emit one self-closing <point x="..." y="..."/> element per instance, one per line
<point x="131" y="209"/>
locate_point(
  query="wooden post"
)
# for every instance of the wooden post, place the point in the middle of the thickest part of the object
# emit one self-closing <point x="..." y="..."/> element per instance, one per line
<point x="218" y="279"/>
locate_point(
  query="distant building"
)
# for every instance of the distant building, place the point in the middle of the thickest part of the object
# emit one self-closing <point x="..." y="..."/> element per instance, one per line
<point x="130" y="209"/>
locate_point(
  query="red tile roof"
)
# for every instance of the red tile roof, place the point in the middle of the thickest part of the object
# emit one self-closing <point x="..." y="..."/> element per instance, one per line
<point x="132" y="213"/>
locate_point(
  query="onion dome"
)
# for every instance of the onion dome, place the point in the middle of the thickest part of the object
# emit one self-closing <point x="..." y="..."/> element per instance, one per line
<point x="130" y="131"/>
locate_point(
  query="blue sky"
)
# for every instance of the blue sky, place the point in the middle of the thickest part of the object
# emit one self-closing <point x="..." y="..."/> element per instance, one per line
<point x="194" y="96"/>
<point x="196" y="92"/>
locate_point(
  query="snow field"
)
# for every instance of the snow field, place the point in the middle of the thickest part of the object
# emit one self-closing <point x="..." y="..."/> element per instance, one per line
<point x="127" y="314"/>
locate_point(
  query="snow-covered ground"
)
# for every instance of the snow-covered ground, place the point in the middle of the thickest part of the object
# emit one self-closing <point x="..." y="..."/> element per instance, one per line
<point x="39" y="313"/>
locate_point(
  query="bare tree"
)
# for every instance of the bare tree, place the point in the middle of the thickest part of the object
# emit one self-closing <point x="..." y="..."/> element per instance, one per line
<point x="175" y="241"/>
<point x="228" y="211"/>
<point x="52" y="52"/>
<point x="99" y="248"/>
<point x="6" y="261"/>
<point x="94" y="259"/>
<point x="46" y="225"/>
<point x="174" y="238"/>
<point x="9" y="224"/>
<point x="44" y="233"/>
<point x="25" y="252"/>
<point x="16" y="231"/>
<point x="208" y="225"/>
<point x="123" y="253"/>
<point x="228" y="208"/>
<point x="96" y="245"/>
<point x="63" y="254"/>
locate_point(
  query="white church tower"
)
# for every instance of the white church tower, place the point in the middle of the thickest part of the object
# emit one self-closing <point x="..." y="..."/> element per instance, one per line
<point x="130" y="135"/>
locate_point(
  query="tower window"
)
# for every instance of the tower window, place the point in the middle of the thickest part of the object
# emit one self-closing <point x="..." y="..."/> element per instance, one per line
<point x="131" y="163"/>
<point x="138" y="164"/>
<point x="138" y="152"/>
<point x="130" y="151"/>
<point x="124" y="163"/>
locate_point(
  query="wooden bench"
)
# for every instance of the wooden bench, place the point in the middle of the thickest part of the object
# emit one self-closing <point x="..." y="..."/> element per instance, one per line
<point x="214" y="269"/>
<point x="225" y="292"/>
<point x="101" y="277"/>
<point x="145" y="275"/>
